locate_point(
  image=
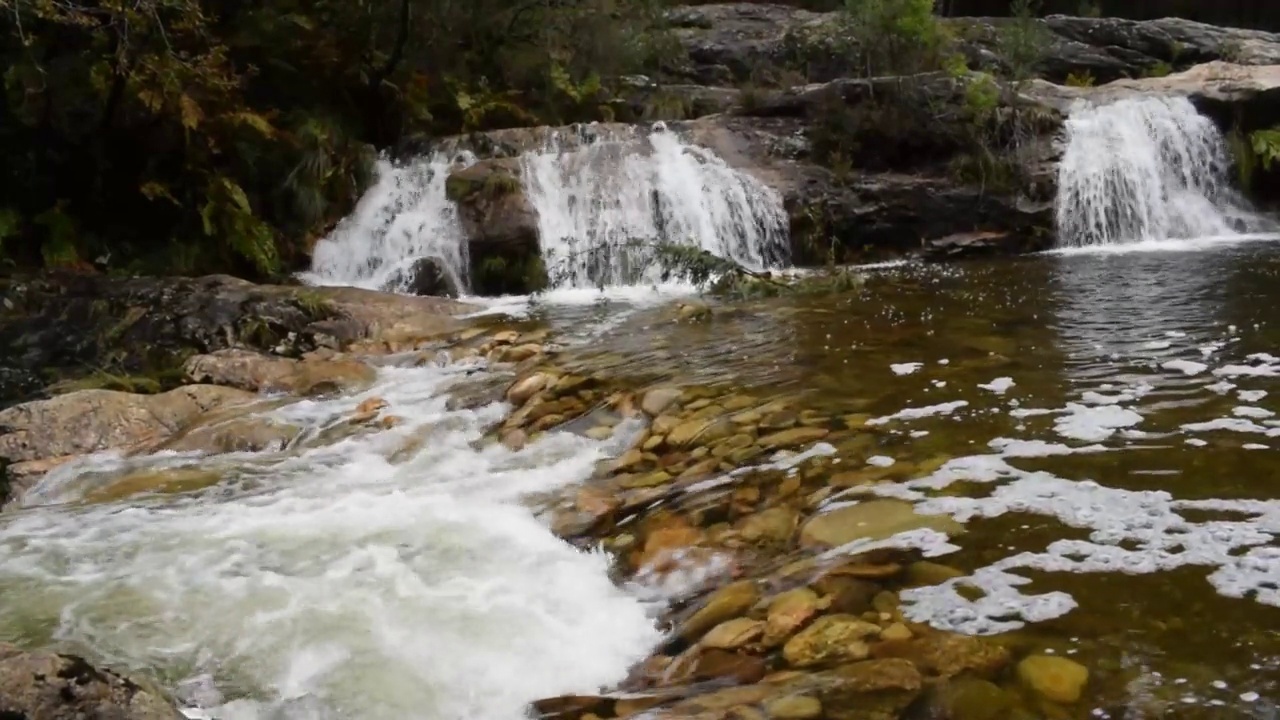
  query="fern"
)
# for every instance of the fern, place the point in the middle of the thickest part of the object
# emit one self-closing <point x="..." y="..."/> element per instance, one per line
<point x="1266" y="146"/>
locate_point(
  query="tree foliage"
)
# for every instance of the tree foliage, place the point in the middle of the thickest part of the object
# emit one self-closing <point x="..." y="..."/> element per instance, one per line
<point x="198" y="136"/>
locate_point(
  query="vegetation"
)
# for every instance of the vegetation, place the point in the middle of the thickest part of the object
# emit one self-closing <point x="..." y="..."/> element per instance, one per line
<point x="193" y="136"/>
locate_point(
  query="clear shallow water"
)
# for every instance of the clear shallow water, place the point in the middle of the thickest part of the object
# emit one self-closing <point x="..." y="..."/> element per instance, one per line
<point x="1100" y="421"/>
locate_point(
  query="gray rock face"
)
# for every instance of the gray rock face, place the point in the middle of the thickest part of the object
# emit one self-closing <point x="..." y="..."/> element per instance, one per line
<point x="778" y="45"/>
<point x="50" y="686"/>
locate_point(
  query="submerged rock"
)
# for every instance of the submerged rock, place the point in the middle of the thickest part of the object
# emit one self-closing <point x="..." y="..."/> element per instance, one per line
<point x="1054" y="678"/>
<point x="257" y="372"/>
<point x="44" y="685"/>
<point x="870" y="520"/>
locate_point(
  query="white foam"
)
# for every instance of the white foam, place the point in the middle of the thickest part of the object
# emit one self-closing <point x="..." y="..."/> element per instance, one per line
<point x="921" y="412"/>
<point x="998" y="386"/>
<point x="1094" y="423"/>
<point x="1251" y="396"/>
<point x="309" y="584"/>
<point x="906" y="368"/>
<point x="880" y="461"/>
<point x="1186" y="367"/>
<point x="1247" y="411"/>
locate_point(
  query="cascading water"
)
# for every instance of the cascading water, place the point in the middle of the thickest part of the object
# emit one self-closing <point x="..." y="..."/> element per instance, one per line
<point x="403" y="218"/>
<point x="390" y="575"/>
<point x="602" y="206"/>
<point x="1147" y="168"/>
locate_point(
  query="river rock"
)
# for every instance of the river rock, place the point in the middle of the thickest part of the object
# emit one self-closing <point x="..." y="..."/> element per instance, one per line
<point x="425" y="277"/>
<point x="733" y="634"/>
<point x="829" y="640"/>
<point x="89" y="421"/>
<point x="141" y="326"/>
<point x="1054" y="678"/>
<point x="43" y="685"/>
<point x="658" y="400"/>
<point x="870" y="520"/>
<point x="724" y="604"/>
<point x="257" y="372"/>
<point x="501" y="226"/>
<point x="868" y="690"/>
<point x="794" y="707"/>
<point x="789" y="611"/>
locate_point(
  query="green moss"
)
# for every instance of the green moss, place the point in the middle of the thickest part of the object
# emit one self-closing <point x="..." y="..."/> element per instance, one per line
<point x="315" y="305"/>
<point x="103" y="380"/>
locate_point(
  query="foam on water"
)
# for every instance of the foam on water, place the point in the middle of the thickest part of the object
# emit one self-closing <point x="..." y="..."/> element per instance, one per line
<point x="602" y="205"/>
<point x="1146" y="169"/>
<point x="333" y="583"/>
<point x="403" y="218"/>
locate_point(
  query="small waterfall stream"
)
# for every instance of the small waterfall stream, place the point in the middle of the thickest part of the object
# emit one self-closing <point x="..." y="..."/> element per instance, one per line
<point x="1146" y="168"/>
<point x="404" y="217"/>
<point x="602" y="206"/>
<point x="602" y="201"/>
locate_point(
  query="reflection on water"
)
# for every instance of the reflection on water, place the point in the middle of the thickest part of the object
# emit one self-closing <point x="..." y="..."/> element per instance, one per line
<point x="1104" y="423"/>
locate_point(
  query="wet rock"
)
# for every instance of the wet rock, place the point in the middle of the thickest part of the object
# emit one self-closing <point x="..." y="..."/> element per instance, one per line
<point x="948" y="655"/>
<point x="525" y="388"/>
<point x="49" y="686"/>
<point x="870" y="520"/>
<point x="148" y="327"/>
<point x="870" y="690"/>
<point x="501" y="225"/>
<point x="173" y="480"/>
<point x="829" y="640"/>
<point x="721" y="664"/>
<point x="1053" y="678"/>
<point x="733" y="634"/>
<point x="244" y="434"/>
<point x="256" y="372"/>
<point x="424" y="277"/>
<point x="966" y="698"/>
<point x="794" y="707"/>
<point x="93" y="420"/>
<point x="724" y="604"/>
<point x="896" y="631"/>
<point x="789" y="611"/>
<point x="774" y="525"/>
<point x="657" y="400"/>
<point x="793" y="437"/>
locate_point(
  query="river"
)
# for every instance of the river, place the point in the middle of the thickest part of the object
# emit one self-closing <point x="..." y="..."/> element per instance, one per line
<point x="1102" y="423"/>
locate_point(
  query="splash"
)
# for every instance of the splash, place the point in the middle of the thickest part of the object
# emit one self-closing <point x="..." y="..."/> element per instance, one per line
<point x="402" y="219"/>
<point x="1146" y="169"/>
<point x="338" y="580"/>
<point x="602" y="206"/>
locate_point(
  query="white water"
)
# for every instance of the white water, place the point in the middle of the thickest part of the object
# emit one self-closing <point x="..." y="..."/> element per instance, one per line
<point x="1145" y="170"/>
<point x="403" y="218"/>
<point x="602" y="205"/>
<point x="333" y="583"/>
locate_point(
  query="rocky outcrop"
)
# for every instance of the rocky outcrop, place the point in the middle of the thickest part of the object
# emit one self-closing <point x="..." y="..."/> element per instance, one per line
<point x="136" y="333"/>
<point x="256" y="372"/>
<point x="51" y="686"/>
<point x="37" y="436"/>
<point x="501" y="225"/>
<point x="778" y="45"/>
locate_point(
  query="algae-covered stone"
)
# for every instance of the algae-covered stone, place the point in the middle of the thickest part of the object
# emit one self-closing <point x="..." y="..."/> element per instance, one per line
<point x="870" y="690"/>
<point x="829" y="640"/>
<point x="870" y="520"/>
<point x="931" y="573"/>
<point x="789" y="611"/>
<point x="733" y="634"/>
<point x="724" y="604"/>
<point x="969" y="698"/>
<point x="774" y="525"/>
<point x="948" y="655"/>
<point x="793" y="437"/>
<point x="1054" y="678"/>
<point x="794" y="707"/>
<point x="658" y="400"/>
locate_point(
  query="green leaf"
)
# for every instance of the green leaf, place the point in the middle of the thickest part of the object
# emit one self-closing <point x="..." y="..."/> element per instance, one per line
<point x="190" y="112"/>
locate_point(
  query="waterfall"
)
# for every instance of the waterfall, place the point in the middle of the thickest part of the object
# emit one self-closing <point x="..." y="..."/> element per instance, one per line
<point x="403" y="218"/>
<point x="604" y="196"/>
<point x="1146" y="168"/>
<point x="602" y="205"/>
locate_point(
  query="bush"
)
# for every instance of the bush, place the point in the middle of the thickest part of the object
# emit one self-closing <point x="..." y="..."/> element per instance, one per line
<point x="192" y="136"/>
